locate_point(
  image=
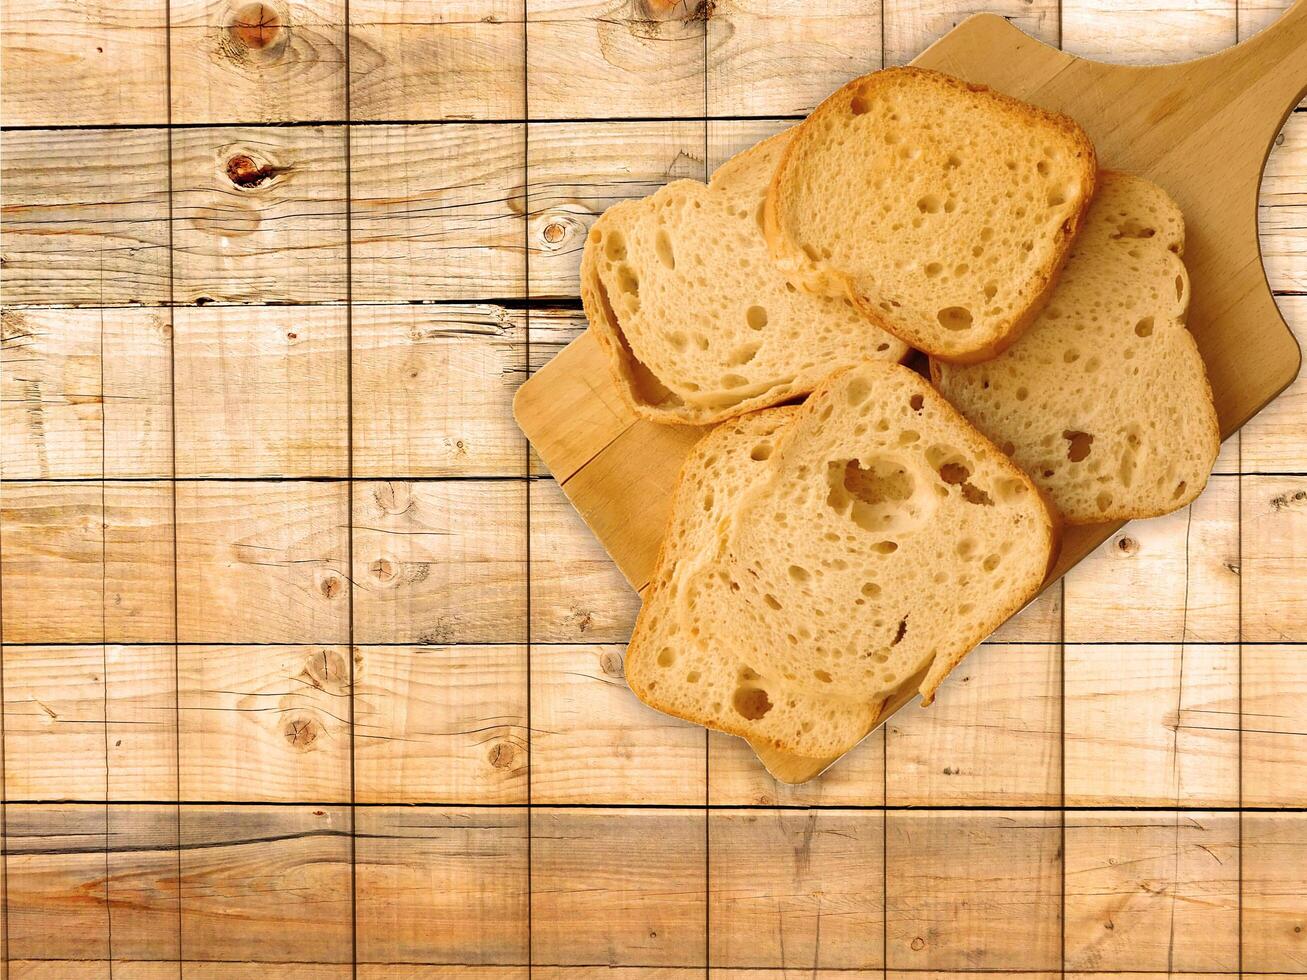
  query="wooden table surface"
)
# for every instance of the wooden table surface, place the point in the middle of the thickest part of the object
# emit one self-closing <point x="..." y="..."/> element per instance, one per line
<point x="309" y="670"/>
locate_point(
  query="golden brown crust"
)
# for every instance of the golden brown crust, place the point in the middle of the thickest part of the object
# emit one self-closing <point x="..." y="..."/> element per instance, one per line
<point x="787" y="254"/>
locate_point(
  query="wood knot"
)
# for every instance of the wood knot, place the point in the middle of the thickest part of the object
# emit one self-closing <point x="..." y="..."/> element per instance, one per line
<point x="244" y="172"/>
<point x="1127" y="545"/>
<point x="302" y="732"/>
<point x="327" y="671"/>
<point x="383" y="570"/>
<point x="554" y="232"/>
<point x="256" y="27"/>
<point x="330" y="586"/>
<point x="1289" y="501"/>
<point x="502" y="755"/>
<point x="610" y="662"/>
<point x="918" y="943"/>
<point x="393" y="497"/>
<point x="558" y="230"/>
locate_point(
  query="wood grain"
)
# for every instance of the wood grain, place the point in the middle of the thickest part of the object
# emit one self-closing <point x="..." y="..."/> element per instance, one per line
<point x="814" y="46"/>
<point x="439" y="562"/>
<point x="86" y="217"/>
<point x="1152" y="724"/>
<point x="1274" y="574"/>
<point x="261" y="392"/>
<point x="1156" y="892"/>
<point x="593" y="742"/>
<point x="442" y="885"/>
<point x="477" y="49"/>
<point x="736" y="779"/>
<point x="591" y="58"/>
<point x="262" y="562"/>
<point x="264" y="724"/>
<point x="441" y="724"/>
<point x="623" y="160"/>
<point x="87" y="562"/>
<point x="1274" y="717"/>
<point x="77" y="64"/>
<point x="973" y="890"/>
<point x="618" y="887"/>
<point x="85" y="393"/>
<point x="993" y="737"/>
<point x="437" y="212"/>
<point x="1272" y="442"/>
<point x="796" y="889"/>
<point x="90" y="723"/>
<point x="433" y="390"/>
<point x="1283" y="211"/>
<point x="1125" y="32"/>
<point x="259" y="214"/>
<point x="1274" y="885"/>
<point x="913" y="25"/>
<point x="274" y="61"/>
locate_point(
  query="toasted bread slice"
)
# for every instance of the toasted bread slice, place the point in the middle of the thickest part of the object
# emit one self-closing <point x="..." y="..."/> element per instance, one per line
<point x="943" y="210"/>
<point x="881" y="535"/>
<point x="698" y="324"/>
<point x="1105" y="400"/>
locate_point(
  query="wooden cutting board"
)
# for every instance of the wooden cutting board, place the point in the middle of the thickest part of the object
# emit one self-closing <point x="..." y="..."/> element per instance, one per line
<point x="1201" y="129"/>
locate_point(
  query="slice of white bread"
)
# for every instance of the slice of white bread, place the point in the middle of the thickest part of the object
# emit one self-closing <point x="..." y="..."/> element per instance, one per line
<point x="943" y="210"/>
<point x="1105" y="401"/>
<point x="697" y="322"/>
<point x="883" y="535"/>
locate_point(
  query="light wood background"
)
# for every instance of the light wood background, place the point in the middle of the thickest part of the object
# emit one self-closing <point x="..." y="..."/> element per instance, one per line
<point x="309" y="669"/>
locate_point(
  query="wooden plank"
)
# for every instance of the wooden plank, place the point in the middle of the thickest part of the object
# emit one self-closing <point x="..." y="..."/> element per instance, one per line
<point x="1272" y="442"/>
<point x="796" y="889"/>
<point x="551" y="330"/>
<point x="90" y="882"/>
<point x="727" y="137"/>
<point x="588" y="58"/>
<point x="1167" y="734"/>
<point x="622" y="160"/>
<point x="262" y="562"/>
<point x="440" y="885"/>
<point x="1282" y="210"/>
<point x="783" y="58"/>
<point x="577" y="594"/>
<point x="993" y="737"/>
<point x="440" y="562"/>
<point x="737" y="778"/>
<point x="264" y="724"/>
<point x="87" y="562"/>
<point x="618" y="887"/>
<point x="440" y="724"/>
<point x="1257" y="15"/>
<point x="478" y="46"/>
<point x="259" y="214"/>
<point x="1274" y="716"/>
<point x="1167" y="579"/>
<point x="973" y="890"/>
<point x="412" y="971"/>
<point x="73" y="382"/>
<point x="75" y="64"/>
<point x="433" y="390"/>
<point x="1274" y="892"/>
<point x="437" y="212"/>
<point x="86" y="216"/>
<point x="266" y="884"/>
<point x="1154" y="892"/>
<point x="593" y="742"/>
<point x="1126" y="32"/>
<point x="911" y="26"/>
<point x="1273" y="567"/>
<point x="261" y="392"/>
<point x="257" y="62"/>
<point x="89" y="723"/>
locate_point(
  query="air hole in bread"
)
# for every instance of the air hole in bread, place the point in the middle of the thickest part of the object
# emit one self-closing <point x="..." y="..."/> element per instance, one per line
<point x="901" y="632"/>
<point x="615" y="246"/>
<point x="666" y="657"/>
<point x="872" y="496"/>
<point x="708" y="500"/>
<point x="761" y="452"/>
<point x="990" y="563"/>
<point x="1022" y="394"/>
<point x="991" y="290"/>
<point x="1133" y="228"/>
<point x="885" y="547"/>
<point x="908" y="436"/>
<point x="1078" y="444"/>
<point x="1007" y="448"/>
<point x="679" y="340"/>
<point x="858" y="105"/>
<point x="953" y="162"/>
<point x="730" y="381"/>
<point x="798" y="573"/>
<point x="916" y="402"/>
<point x="932" y="269"/>
<point x="1144" y="328"/>
<point x="857" y="391"/>
<point x="870" y="589"/>
<point x="1179" y="287"/>
<point x="743" y="354"/>
<point x="751" y="703"/>
<point x="772" y="601"/>
<point x="1103" y="500"/>
<point x="663" y="248"/>
<point x="1056" y="199"/>
<point x="1070" y="356"/>
<point x="1179" y="490"/>
<point x="966" y="548"/>
<point x="755" y="317"/>
<point x="929" y="204"/>
<point x="1010" y="488"/>
<point x="961" y="269"/>
<point x="692" y="677"/>
<point x="1042" y="167"/>
<point x="954" y="318"/>
<point x="822" y="676"/>
<point x="954" y="473"/>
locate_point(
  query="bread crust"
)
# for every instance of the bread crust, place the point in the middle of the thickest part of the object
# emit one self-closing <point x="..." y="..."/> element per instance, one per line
<point x="789" y="257"/>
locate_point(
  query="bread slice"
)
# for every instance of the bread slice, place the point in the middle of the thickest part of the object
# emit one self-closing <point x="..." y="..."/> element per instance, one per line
<point x="881" y="535"/>
<point x="943" y="210"/>
<point x="1105" y="401"/>
<point x="698" y="324"/>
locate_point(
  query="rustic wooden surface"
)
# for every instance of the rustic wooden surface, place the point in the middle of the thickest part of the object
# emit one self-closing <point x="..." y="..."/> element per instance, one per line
<point x="310" y="671"/>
